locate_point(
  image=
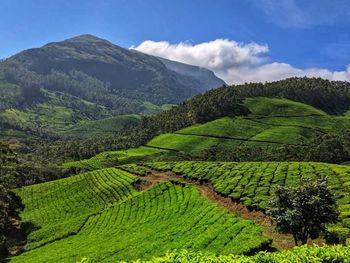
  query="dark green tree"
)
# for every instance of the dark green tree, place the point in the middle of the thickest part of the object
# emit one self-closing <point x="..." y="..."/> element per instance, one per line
<point x="10" y="203"/>
<point x="305" y="210"/>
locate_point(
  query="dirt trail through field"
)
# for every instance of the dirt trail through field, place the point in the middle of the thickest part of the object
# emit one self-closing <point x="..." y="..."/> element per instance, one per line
<point x="280" y="241"/>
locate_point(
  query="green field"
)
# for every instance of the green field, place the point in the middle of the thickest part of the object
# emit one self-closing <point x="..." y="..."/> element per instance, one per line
<point x="252" y="183"/>
<point x="272" y="122"/>
<point x="279" y="107"/>
<point x="101" y="216"/>
<point x="105" y="127"/>
<point x="113" y="158"/>
<point x="59" y="208"/>
<point x="151" y="109"/>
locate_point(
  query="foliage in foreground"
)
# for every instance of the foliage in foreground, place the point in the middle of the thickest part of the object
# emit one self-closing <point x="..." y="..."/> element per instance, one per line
<point x="303" y="254"/>
<point x="305" y="210"/>
<point x="10" y="203"/>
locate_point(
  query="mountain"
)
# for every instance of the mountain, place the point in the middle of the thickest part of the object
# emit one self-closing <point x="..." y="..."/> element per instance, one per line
<point x="129" y="73"/>
<point x="203" y="79"/>
<point x="87" y="78"/>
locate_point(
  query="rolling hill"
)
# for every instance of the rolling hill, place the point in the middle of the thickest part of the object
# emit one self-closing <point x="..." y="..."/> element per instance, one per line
<point x="191" y="180"/>
<point x="273" y="124"/>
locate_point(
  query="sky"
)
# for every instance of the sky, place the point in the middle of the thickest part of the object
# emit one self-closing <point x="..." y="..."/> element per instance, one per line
<point x="240" y="40"/>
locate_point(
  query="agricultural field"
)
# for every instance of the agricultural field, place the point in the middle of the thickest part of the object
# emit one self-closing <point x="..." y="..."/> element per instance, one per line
<point x="113" y="158"/>
<point x="59" y="208"/>
<point x="279" y="107"/>
<point x="272" y="122"/>
<point x="107" y="126"/>
<point x="104" y="209"/>
<point x="151" y="109"/>
<point x="252" y="183"/>
<point x="192" y="144"/>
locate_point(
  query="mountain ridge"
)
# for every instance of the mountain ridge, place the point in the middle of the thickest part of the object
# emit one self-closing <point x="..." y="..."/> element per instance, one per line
<point x="113" y="81"/>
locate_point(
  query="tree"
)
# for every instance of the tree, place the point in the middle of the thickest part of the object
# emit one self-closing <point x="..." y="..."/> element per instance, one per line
<point x="10" y="203"/>
<point x="305" y="210"/>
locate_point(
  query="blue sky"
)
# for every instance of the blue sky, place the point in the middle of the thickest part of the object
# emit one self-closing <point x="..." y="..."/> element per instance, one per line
<point x="309" y="37"/>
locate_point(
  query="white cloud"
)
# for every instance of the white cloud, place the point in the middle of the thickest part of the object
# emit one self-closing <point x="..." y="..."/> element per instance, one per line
<point x="235" y="62"/>
<point x="218" y="55"/>
<point x="277" y="71"/>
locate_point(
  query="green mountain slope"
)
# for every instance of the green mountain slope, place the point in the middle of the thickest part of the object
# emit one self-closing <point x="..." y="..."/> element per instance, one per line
<point x="88" y="78"/>
<point x="202" y="78"/>
<point x="271" y="123"/>
<point x="238" y="123"/>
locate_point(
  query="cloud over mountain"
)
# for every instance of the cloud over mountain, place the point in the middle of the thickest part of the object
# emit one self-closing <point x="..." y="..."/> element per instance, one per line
<point x="235" y="62"/>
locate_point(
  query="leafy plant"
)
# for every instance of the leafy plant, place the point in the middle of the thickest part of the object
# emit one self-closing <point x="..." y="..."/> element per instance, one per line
<point x="304" y="210"/>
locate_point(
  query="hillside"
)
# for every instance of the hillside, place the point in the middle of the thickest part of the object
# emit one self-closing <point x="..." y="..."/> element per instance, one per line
<point x="273" y="126"/>
<point x="196" y="176"/>
<point x="202" y="78"/>
<point x="272" y="122"/>
<point x="104" y="205"/>
<point x="87" y="78"/>
<point x="144" y="213"/>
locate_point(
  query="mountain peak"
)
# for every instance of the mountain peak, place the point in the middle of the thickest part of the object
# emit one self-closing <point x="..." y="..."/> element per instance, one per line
<point x="86" y="38"/>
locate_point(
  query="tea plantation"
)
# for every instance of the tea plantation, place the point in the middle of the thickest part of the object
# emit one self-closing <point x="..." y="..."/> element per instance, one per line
<point x="101" y="216"/>
<point x="252" y="183"/>
<point x="272" y="122"/>
<point x="112" y="158"/>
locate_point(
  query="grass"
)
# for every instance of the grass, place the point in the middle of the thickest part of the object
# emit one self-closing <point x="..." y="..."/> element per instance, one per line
<point x="107" y="126"/>
<point x="272" y="120"/>
<point x="252" y="183"/>
<point x="347" y="114"/>
<point x="100" y="216"/>
<point x="283" y="134"/>
<point x="276" y="107"/>
<point x="59" y="208"/>
<point x="233" y="127"/>
<point x="151" y="109"/>
<point x="113" y="158"/>
<point x="272" y="123"/>
<point x="191" y="144"/>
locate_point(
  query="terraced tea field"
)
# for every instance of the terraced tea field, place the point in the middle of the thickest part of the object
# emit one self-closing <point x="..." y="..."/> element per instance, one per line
<point x="272" y="122"/>
<point x="107" y="126"/>
<point x="101" y="216"/>
<point x="113" y="158"/>
<point x="252" y="183"/>
<point x="60" y="208"/>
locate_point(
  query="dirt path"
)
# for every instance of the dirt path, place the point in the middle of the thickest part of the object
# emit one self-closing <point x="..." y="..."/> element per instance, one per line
<point x="280" y="241"/>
